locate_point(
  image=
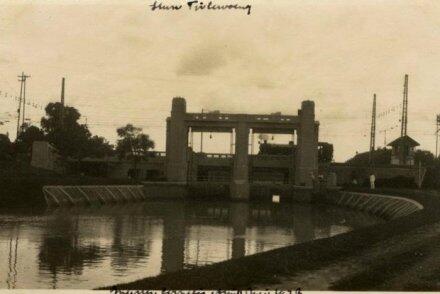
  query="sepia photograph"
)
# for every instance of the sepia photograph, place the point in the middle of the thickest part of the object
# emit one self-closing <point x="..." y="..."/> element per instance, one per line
<point x="282" y="146"/>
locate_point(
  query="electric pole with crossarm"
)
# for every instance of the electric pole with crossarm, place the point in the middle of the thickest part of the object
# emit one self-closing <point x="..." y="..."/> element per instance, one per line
<point x="373" y="130"/>
<point x="22" y="98"/>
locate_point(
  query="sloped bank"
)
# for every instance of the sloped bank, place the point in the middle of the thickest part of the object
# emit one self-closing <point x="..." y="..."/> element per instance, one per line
<point x="22" y="186"/>
<point x="385" y="206"/>
<point x="267" y="267"/>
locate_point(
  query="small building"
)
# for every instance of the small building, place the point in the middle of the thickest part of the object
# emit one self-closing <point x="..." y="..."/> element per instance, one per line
<point x="45" y="156"/>
<point x="402" y="152"/>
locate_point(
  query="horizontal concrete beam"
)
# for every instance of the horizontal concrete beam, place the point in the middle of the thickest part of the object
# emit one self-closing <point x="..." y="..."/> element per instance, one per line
<point x="224" y="117"/>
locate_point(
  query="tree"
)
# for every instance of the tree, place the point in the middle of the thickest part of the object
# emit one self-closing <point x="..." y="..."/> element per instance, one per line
<point x="99" y="147"/>
<point x="70" y="137"/>
<point x="26" y="138"/>
<point x="143" y="143"/>
<point x="6" y="149"/>
<point x="132" y="142"/>
<point x="381" y="156"/>
<point x="432" y="176"/>
<point x="423" y="156"/>
<point x="428" y="160"/>
<point x="325" y="152"/>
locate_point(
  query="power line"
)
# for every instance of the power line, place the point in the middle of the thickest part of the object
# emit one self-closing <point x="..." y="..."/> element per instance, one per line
<point x="16" y="98"/>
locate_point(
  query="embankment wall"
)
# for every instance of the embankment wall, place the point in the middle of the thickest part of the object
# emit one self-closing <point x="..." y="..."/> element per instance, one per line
<point x="385" y="206"/>
<point x="86" y="195"/>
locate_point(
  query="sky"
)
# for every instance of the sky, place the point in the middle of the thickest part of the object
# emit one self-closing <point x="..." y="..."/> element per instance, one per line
<point x="124" y="63"/>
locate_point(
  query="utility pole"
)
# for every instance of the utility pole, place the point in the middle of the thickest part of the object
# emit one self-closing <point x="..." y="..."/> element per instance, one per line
<point x="385" y="137"/>
<point x="22" y="80"/>
<point x="201" y="138"/>
<point x="62" y="104"/>
<point x="231" y="141"/>
<point x="436" y="135"/>
<point x="252" y="141"/>
<point x="373" y="130"/>
<point x="24" y="103"/>
<point x="191" y="139"/>
<point x="404" y="126"/>
<point x="19" y="109"/>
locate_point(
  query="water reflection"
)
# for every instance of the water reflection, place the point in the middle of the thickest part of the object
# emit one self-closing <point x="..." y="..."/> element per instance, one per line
<point x="239" y="219"/>
<point x="11" y="280"/>
<point x="62" y="252"/>
<point x="173" y="240"/>
<point x="128" y="245"/>
<point x="91" y="247"/>
<point x="304" y="224"/>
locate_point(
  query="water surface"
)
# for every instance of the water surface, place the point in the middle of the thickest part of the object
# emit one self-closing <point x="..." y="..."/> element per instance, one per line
<point x="96" y="246"/>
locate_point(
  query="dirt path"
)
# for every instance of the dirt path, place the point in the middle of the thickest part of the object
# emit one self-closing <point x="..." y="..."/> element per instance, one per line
<point x="359" y="272"/>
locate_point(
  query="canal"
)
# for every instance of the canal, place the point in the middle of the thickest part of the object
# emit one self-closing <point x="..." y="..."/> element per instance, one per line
<point x="90" y="247"/>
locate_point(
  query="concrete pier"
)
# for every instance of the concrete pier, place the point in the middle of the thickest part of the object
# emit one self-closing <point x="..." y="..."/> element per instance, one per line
<point x="177" y="142"/>
<point x="307" y="150"/>
<point x="240" y="181"/>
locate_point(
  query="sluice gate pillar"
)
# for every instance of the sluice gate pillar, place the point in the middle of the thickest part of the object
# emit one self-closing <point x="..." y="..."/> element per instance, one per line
<point x="240" y="175"/>
<point x="307" y="147"/>
<point x="177" y="142"/>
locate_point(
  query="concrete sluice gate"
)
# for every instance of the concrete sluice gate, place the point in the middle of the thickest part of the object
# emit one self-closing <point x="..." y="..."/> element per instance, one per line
<point x="86" y="195"/>
<point x="388" y="207"/>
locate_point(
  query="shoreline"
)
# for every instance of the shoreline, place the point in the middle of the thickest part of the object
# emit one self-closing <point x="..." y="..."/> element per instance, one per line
<point x="22" y="187"/>
<point x="273" y="268"/>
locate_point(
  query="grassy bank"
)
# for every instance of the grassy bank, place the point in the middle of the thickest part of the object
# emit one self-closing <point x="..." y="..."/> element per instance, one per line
<point x="21" y="185"/>
<point x="267" y="267"/>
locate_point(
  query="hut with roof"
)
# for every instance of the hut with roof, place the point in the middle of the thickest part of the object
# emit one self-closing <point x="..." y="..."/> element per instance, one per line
<point x="403" y="150"/>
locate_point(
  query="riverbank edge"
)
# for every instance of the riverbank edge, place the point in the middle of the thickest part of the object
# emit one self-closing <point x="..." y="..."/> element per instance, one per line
<point x="384" y="206"/>
<point x="266" y="267"/>
<point x="26" y="191"/>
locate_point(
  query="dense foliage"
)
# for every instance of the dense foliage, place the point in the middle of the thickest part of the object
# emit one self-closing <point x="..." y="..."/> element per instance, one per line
<point x="26" y="138"/>
<point x="381" y="156"/>
<point x="132" y="142"/>
<point x="325" y="152"/>
<point x="6" y="148"/>
<point x="71" y="138"/>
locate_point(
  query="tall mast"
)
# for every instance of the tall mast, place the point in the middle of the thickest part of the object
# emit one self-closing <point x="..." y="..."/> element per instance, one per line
<point x="62" y="104"/>
<point x="22" y="100"/>
<point x="405" y="108"/>
<point x="373" y="129"/>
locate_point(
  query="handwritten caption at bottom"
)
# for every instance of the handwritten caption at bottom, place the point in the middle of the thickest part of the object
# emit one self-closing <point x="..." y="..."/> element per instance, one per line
<point x="296" y="291"/>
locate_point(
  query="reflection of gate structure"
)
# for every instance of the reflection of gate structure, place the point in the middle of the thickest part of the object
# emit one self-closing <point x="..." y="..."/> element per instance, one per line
<point x="179" y="167"/>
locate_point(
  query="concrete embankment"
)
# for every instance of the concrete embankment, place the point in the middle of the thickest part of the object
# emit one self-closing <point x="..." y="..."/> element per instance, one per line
<point x="385" y="206"/>
<point x="23" y="187"/>
<point x="87" y="195"/>
<point x="271" y="269"/>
